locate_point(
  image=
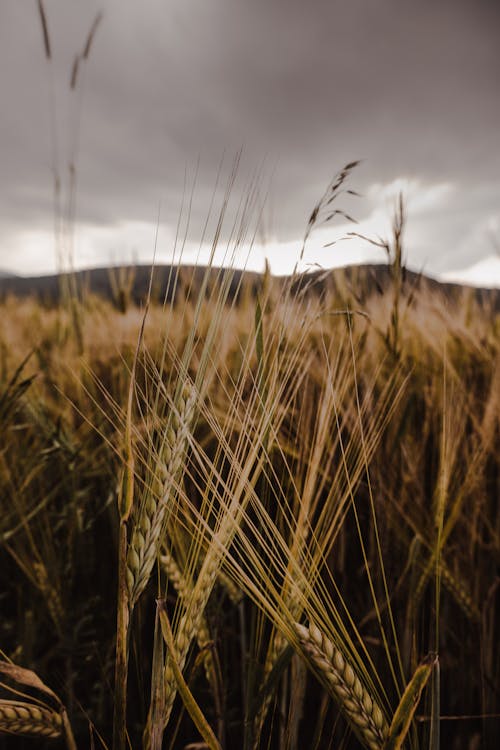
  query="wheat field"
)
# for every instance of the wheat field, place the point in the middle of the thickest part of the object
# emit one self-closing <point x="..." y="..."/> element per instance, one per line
<point x="263" y="514"/>
<point x="242" y="511"/>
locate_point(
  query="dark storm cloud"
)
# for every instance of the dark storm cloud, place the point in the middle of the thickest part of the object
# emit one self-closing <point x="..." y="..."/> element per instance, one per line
<point x="411" y="87"/>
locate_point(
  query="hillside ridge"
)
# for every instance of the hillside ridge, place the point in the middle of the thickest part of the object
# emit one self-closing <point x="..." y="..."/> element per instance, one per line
<point x="362" y="281"/>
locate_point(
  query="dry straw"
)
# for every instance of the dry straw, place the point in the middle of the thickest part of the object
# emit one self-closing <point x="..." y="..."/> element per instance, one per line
<point x="191" y="621"/>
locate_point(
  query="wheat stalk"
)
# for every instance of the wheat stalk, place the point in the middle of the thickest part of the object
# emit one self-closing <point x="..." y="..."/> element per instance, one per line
<point x="137" y="557"/>
<point x="360" y="709"/>
<point x="189" y="623"/>
<point x="19" y="717"/>
<point x="189" y="626"/>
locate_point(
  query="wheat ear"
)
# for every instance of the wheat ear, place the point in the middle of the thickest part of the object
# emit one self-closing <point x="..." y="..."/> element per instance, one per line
<point x="196" y="603"/>
<point x="203" y="638"/>
<point x="459" y="591"/>
<point x="144" y="543"/>
<point x="360" y="709"/>
<point x="234" y="593"/>
<point x="188" y="627"/>
<point x="18" y="717"/>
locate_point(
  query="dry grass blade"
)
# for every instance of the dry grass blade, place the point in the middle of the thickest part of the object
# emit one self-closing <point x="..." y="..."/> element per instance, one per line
<point x="74" y="72"/>
<point x="91" y="35"/>
<point x="26" y="677"/>
<point x="410" y="699"/>
<point x="45" y="30"/>
<point x="333" y="190"/>
<point x="189" y="701"/>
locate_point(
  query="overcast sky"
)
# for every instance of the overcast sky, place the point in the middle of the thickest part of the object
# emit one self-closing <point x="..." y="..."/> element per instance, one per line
<point x="172" y="89"/>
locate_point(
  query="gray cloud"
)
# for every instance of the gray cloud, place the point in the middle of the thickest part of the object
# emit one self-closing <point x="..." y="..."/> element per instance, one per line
<point x="410" y="87"/>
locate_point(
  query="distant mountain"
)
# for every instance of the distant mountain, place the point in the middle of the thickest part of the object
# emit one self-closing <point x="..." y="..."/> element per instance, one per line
<point x="361" y="281"/>
<point x="101" y="281"/>
<point x="484" y="273"/>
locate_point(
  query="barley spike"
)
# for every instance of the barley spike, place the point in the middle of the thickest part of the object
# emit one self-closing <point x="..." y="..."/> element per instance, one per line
<point x="360" y="709"/>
